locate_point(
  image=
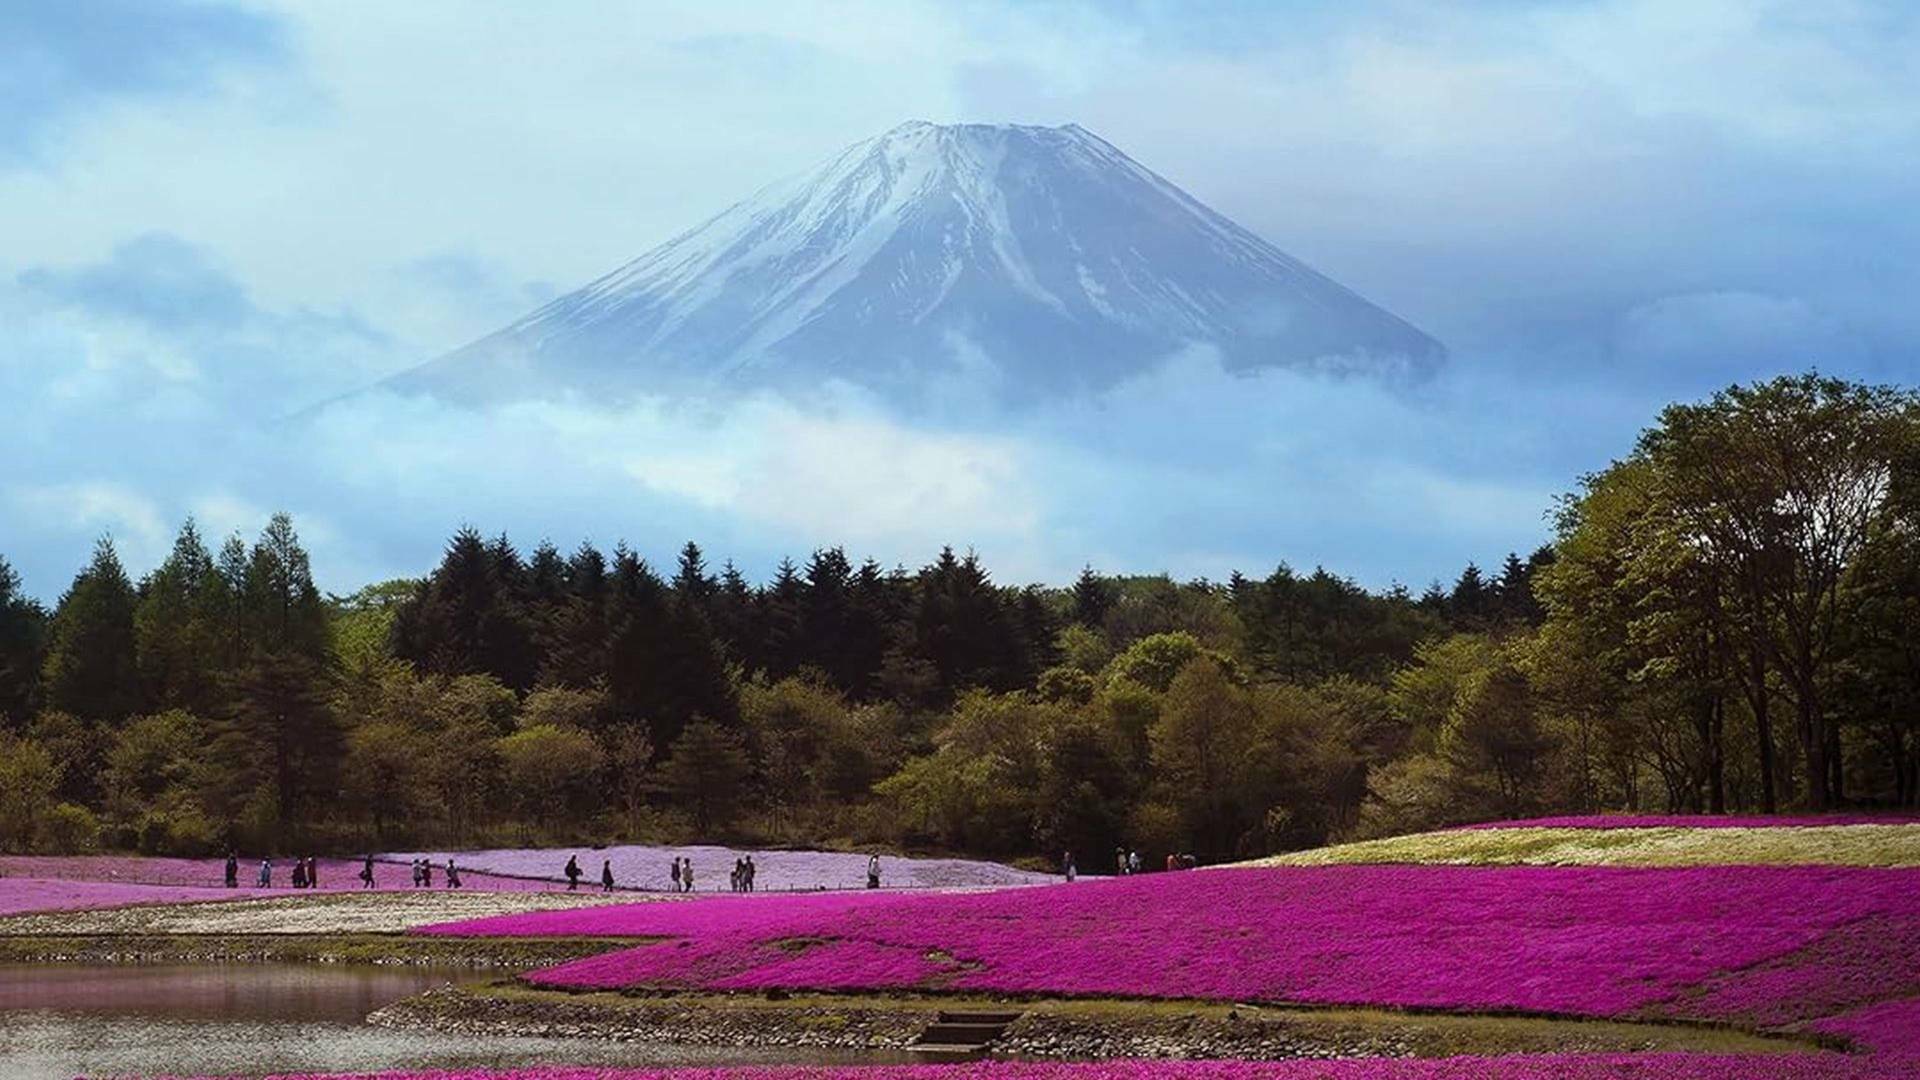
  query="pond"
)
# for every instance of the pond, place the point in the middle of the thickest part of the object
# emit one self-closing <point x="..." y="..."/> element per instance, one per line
<point x="64" y="1020"/>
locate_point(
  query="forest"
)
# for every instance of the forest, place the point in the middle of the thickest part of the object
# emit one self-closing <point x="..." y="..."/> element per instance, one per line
<point x="1727" y="619"/>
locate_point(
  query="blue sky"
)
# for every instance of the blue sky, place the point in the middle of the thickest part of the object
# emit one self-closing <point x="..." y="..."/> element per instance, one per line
<point x="213" y="215"/>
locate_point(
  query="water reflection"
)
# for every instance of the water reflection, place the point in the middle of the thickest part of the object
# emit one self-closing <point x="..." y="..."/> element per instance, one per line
<point x="60" y="1021"/>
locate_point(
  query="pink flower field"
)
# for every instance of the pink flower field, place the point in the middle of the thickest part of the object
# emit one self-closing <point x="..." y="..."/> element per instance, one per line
<point x="146" y="879"/>
<point x="23" y="896"/>
<point x="1759" y="945"/>
<point x="1519" y="1067"/>
<point x="1698" y="821"/>
<point x="647" y="867"/>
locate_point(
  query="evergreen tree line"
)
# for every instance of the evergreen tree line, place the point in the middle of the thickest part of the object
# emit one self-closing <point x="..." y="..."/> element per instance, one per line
<point x="1725" y="621"/>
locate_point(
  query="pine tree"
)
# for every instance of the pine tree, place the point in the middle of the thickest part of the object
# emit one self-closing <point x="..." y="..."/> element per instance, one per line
<point x="826" y="615"/>
<point x="284" y="612"/>
<point x="782" y="650"/>
<point x="91" y="669"/>
<point x="23" y="637"/>
<point x="177" y="628"/>
<point x="1092" y="599"/>
<point x="734" y="622"/>
<point x="578" y="654"/>
<point x="1471" y="602"/>
<point x="691" y="579"/>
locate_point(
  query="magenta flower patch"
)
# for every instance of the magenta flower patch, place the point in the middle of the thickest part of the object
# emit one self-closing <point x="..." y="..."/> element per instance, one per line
<point x="1583" y="941"/>
<point x="1516" y="1067"/>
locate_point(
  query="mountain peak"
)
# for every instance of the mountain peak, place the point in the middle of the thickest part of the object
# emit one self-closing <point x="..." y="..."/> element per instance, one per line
<point x="1044" y="255"/>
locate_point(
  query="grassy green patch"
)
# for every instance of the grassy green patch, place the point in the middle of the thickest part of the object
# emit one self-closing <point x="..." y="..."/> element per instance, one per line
<point x="1665" y="846"/>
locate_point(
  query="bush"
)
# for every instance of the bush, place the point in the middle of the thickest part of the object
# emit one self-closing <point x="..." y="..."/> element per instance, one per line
<point x="70" y="829"/>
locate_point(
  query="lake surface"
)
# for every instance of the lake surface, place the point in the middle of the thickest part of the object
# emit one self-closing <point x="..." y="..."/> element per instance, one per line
<point x="65" y="1020"/>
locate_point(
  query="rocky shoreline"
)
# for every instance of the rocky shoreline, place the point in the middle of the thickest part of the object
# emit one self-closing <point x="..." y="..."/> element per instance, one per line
<point x="480" y="954"/>
<point x="1054" y="1030"/>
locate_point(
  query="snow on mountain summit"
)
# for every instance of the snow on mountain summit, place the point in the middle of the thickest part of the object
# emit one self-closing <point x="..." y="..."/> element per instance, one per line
<point x="1042" y="254"/>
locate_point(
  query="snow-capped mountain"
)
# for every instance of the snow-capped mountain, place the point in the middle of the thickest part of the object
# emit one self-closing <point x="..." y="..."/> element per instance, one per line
<point x="1043" y="259"/>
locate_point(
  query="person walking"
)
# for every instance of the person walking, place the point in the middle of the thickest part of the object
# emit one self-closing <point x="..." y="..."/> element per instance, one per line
<point x="606" y="875"/>
<point x="266" y="873"/>
<point x="299" y="872"/>
<point x="233" y="870"/>
<point x="686" y="874"/>
<point x="676" y="873"/>
<point x="1120" y="861"/>
<point x="426" y="873"/>
<point x="453" y="874"/>
<point x="1133" y="862"/>
<point x="313" y="872"/>
<point x="573" y="873"/>
<point x="366" y="873"/>
<point x="1066" y="865"/>
<point x="873" y="871"/>
<point x="751" y="870"/>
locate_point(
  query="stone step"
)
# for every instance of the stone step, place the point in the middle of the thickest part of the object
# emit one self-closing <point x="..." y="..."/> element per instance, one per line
<point x="952" y="1034"/>
<point x="973" y="1016"/>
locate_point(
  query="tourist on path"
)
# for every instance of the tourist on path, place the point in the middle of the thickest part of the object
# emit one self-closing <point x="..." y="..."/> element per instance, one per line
<point x="313" y="872"/>
<point x="426" y="874"/>
<point x="573" y="873"/>
<point x="751" y="870"/>
<point x="606" y="875"/>
<point x="453" y="874"/>
<point x="686" y="873"/>
<point x="299" y="873"/>
<point x="266" y="873"/>
<point x="676" y="873"/>
<point x="873" y="871"/>
<point x="233" y="870"/>
<point x="1066" y="865"/>
<point x="366" y="873"/>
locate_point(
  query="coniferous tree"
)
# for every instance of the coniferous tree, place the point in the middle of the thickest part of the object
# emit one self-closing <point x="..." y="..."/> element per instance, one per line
<point x="734" y="621"/>
<point x="1471" y="601"/>
<point x="1092" y="599"/>
<point x="231" y="568"/>
<point x="284" y="613"/>
<point x="691" y="579"/>
<point x="23" y="634"/>
<point x="91" y="667"/>
<point x="177" y="627"/>
<point x="578" y="655"/>
<point x="780" y="605"/>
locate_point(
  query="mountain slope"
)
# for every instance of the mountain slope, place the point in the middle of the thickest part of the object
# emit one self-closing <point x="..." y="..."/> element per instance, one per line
<point x="1042" y="259"/>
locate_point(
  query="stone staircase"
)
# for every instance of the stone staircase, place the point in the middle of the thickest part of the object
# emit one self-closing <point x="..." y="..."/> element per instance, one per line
<point x="961" y="1035"/>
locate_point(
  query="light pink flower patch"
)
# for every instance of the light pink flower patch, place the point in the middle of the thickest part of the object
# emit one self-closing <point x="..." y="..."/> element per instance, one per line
<point x="649" y="867"/>
<point x="335" y="874"/>
<point x="20" y="896"/>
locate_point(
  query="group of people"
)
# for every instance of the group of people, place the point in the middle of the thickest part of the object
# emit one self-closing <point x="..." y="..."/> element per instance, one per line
<point x="422" y="873"/>
<point x="1128" y="862"/>
<point x="306" y="873"/>
<point x="681" y="874"/>
<point x="743" y="871"/>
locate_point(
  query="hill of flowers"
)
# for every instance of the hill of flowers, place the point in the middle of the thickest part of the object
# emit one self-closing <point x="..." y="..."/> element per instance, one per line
<point x="1516" y="1067"/>
<point x="1772" y="945"/>
<point x="1698" y="821"/>
<point x="1894" y="844"/>
<point x="649" y="867"/>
